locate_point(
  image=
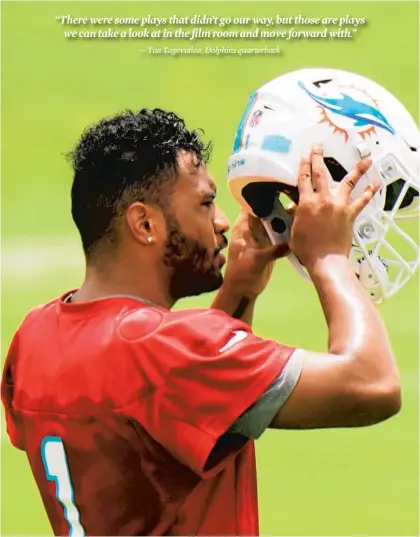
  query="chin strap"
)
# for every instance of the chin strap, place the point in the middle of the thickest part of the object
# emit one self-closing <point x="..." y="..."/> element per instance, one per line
<point x="278" y="224"/>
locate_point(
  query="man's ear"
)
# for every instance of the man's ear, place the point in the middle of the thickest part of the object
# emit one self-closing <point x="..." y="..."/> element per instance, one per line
<point x="145" y="222"/>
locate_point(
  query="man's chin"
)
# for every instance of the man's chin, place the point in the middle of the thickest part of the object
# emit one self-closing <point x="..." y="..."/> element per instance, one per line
<point x="216" y="283"/>
<point x="199" y="285"/>
<point x="208" y="285"/>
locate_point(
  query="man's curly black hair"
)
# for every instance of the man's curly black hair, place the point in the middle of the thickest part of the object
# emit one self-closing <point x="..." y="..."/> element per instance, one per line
<point x="122" y="159"/>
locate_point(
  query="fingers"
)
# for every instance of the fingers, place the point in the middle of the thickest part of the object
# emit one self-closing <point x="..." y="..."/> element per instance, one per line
<point x="258" y="231"/>
<point x="271" y="253"/>
<point x="319" y="173"/>
<point x="304" y="178"/>
<point x="361" y="202"/>
<point x="281" y="250"/>
<point x="350" y="181"/>
<point x="241" y="223"/>
<point x="242" y="216"/>
<point x="312" y="174"/>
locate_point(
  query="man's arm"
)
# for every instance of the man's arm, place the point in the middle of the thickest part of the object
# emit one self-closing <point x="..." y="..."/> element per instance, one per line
<point x="234" y="304"/>
<point x="357" y="383"/>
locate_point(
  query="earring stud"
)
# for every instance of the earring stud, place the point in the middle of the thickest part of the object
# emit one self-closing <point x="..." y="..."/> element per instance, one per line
<point x="149" y="239"/>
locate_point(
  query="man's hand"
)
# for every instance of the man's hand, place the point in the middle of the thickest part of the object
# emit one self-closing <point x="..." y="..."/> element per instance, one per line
<point x="323" y="223"/>
<point x="249" y="267"/>
<point x="251" y="257"/>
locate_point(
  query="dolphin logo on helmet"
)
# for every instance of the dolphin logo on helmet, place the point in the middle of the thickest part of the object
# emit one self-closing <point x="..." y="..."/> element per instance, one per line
<point x="362" y="113"/>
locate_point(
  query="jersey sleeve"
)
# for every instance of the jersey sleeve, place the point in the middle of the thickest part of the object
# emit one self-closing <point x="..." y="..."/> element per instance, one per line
<point x="215" y="370"/>
<point x="258" y="417"/>
<point x="7" y="392"/>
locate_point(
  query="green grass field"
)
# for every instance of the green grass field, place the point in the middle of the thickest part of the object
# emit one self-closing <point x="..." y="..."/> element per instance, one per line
<point x="355" y="482"/>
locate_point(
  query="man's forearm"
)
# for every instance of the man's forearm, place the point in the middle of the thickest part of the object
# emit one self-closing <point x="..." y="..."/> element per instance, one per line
<point x="234" y="304"/>
<point x="355" y="326"/>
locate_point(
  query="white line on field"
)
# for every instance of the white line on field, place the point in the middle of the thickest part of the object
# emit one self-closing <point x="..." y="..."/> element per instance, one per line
<point x="38" y="256"/>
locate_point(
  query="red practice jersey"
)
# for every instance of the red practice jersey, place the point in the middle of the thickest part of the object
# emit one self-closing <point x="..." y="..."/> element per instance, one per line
<point x="119" y="406"/>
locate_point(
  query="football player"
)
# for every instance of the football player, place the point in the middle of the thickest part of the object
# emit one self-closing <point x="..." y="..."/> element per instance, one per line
<point x="140" y="420"/>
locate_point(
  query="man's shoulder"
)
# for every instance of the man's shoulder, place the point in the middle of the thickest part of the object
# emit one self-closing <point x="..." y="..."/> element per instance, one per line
<point x="36" y="314"/>
<point x="142" y="322"/>
<point x="124" y="331"/>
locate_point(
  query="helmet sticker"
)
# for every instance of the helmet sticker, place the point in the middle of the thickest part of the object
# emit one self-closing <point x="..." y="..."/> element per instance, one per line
<point x="362" y="111"/>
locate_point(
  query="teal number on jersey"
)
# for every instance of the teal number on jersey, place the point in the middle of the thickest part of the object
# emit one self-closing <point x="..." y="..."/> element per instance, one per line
<point x="54" y="459"/>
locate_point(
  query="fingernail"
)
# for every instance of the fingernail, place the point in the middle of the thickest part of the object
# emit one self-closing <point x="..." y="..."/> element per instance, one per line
<point x="317" y="148"/>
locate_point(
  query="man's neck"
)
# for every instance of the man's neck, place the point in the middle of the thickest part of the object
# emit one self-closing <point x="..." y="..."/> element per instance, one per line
<point x="101" y="283"/>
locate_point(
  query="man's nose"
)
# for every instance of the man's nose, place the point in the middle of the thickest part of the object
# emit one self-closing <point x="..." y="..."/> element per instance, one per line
<point x="221" y="223"/>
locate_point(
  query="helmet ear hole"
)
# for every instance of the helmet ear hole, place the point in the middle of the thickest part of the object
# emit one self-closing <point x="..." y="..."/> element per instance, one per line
<point x="261" y="196"/>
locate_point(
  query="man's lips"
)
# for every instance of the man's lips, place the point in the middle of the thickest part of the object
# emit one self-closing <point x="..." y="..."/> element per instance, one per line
<point x="221" y="246"/>
<point x="218" y="256"/>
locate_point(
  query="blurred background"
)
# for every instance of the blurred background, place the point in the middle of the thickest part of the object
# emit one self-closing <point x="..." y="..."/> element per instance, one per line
<point x="340" y="482"/>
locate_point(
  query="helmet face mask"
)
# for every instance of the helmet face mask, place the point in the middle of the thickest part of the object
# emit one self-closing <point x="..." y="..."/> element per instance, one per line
<point x="352" y="117"/>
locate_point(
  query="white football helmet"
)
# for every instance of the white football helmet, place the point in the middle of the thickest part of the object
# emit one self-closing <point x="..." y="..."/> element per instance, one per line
<point x="352" y="117"/>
